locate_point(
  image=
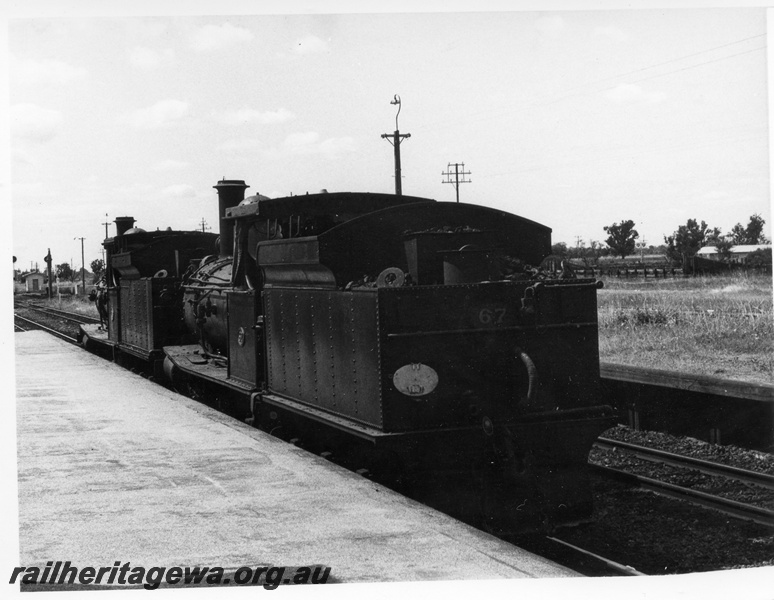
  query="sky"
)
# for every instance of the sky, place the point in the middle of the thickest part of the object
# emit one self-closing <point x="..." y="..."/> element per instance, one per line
<point x="574" y="119"/>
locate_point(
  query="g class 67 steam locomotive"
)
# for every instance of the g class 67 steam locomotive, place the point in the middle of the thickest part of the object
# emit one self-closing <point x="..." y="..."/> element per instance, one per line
<point x="409" y="337"/>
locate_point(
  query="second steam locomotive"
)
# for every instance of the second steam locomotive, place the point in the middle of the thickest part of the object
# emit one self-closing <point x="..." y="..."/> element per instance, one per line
<point x="408" y="337"/>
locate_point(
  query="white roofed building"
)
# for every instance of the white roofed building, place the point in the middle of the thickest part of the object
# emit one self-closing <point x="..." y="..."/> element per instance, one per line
<point x="738" y="253"/>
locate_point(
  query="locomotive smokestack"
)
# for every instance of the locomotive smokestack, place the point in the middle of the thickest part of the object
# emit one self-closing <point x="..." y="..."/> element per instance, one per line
<point x="230" y="193"/>
<point x="123" y="224"/>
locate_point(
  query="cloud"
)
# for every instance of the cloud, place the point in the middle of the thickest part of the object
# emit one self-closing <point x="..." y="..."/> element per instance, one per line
<point x="296" y="144"/>
<point x="310" y="45"/>
<point x="214" y="37"/>
<point x="159" y="115"/>
<point x="30" y="72"/>
<point x="308" y="143"/>
<point x="170" y="165"/>
<point x="244" y="116"/>
<point x="333" y="147"/>
<point x="148" y="59"/>
<point x="242" y="145"/>
<point x="630" y="93"/>
<point x="176" y="192"/>
<point x="613" y="33"/>
<point x="550" y="26"/>
<point x="34" y="123"/>
<point x="301" y="143"/>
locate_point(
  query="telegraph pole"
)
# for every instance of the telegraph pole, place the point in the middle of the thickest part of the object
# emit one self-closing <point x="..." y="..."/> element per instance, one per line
<point x="457" y="173"/>
<point x="397" y="138"/>
<point x="204" y="225"/>
<point x="48" y="260"/>
<point x="106" y="223"/>
<point x="83" y="266"/>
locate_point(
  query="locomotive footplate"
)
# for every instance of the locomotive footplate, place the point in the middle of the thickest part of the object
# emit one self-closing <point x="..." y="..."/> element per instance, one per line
<point x="88" y="332"/>
<point x="192" y="359"/>
<point x="542" y="426"/>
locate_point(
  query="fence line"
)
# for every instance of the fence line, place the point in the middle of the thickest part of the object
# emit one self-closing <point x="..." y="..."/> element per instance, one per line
<point x="660" y="272"/>
<point x="627" y="272"/>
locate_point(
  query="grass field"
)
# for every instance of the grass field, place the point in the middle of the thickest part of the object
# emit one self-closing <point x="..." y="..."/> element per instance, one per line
<point x="720" y="325"/>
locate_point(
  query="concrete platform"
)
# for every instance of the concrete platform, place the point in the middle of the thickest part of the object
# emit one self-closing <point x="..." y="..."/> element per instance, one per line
<point x="115" y="468"/>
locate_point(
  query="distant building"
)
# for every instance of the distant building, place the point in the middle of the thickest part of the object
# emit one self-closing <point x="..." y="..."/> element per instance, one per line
<point x="738" y="253"/>
<point x="34" y="281"/>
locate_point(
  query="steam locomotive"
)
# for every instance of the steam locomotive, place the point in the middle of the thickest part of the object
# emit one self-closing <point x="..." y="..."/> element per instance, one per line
<point x="412" y="338"/>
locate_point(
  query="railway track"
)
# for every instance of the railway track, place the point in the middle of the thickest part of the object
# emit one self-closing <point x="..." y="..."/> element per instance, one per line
<point x="592" y="563"/>
<point x="37" y="325"/>
<point x="600" y="566"/>
<point x="681" y="461"/>
<point x="740" y="510"/>
<point x="64" y="314"/>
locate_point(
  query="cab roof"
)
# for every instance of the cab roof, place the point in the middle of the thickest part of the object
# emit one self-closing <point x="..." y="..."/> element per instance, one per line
<point x="337" y="203"/>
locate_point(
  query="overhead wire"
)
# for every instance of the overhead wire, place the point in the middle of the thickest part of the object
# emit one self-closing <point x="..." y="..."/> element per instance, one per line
<point x="489" y="114"/>
<point x="667" y="62"/>
<point x="657" y="75"/>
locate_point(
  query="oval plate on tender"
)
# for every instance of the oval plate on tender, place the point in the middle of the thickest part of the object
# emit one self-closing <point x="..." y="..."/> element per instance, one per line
<point x="415" y="379"/>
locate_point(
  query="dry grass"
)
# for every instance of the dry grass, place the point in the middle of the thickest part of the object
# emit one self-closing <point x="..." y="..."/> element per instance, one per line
<point x="721" y="326"/>
<point x="77" y="304"/>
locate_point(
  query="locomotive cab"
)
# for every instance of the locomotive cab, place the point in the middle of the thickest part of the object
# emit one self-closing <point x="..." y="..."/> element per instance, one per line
<point x="141" y="292"/>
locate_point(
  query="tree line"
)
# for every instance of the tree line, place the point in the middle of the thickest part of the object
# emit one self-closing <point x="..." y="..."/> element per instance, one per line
<point x="680" y="247"/>
<point x="65" y="272"/>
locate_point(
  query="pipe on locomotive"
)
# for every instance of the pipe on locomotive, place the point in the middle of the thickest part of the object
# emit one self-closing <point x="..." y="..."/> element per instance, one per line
<point x="532" y="374"/>
<point x="123" y="224"/>
<point x="230" y="193"/>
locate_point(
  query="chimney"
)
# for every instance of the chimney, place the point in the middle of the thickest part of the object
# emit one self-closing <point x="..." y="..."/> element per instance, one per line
<point x="230" y="193"/>
<point x="123" y="224"/>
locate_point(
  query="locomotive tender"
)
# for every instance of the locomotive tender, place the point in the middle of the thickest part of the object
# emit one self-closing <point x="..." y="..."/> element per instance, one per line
<point x="407" y="336"/>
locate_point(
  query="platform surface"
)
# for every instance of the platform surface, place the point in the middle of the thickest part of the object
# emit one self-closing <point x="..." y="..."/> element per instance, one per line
<point x="115" y="468"/>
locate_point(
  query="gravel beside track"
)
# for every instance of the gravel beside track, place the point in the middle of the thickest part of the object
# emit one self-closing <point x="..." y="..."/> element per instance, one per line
<point x="723" y="486"/>
<point x="752" y="460"/>
<point x="658" y="535"/>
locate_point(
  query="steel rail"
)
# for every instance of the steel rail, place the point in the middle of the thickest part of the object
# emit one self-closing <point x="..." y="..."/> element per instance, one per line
<point x="733" y="508"/>
<point x="59" y="334"/>
<point x="678" y="460"/>
<point x="616" y="567"/>
<point x="64" y="314"/>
